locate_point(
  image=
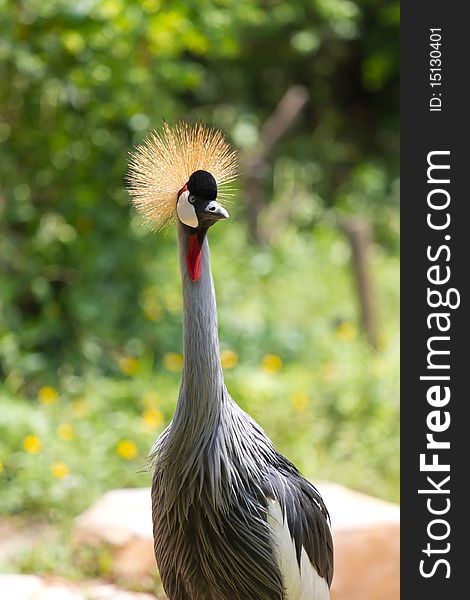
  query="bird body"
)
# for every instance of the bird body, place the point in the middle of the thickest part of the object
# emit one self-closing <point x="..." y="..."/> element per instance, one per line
<point x="233" y="519"/>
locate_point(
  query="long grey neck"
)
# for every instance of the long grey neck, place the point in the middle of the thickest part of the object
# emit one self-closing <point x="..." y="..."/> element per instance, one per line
<point x="202" y="382"/>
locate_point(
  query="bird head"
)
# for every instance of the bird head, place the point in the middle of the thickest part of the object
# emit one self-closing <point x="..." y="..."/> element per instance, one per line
<point x="179" y="173"/>
<point x="182" y="172"/>
<point x="197" y="205"/>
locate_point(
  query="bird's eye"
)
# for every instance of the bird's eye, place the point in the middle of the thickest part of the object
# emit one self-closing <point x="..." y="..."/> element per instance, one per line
<point x="191" y="199"/>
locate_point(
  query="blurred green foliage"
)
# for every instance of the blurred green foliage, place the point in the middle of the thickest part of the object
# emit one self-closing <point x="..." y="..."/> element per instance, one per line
<point x="80" y="82"/>
<point x="90" y="303"/>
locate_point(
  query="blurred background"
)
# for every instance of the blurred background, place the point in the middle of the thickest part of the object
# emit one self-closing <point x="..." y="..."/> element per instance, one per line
<point x="306" y="270"/>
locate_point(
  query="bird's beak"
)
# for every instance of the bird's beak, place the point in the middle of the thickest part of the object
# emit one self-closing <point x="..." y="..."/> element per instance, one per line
<point x="214" y="211"/>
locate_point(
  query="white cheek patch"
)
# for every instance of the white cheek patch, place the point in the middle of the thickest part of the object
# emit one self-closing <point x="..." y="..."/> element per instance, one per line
<point x="186" y="211"/>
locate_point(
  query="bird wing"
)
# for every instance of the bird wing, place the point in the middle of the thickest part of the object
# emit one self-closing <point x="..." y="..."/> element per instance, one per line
<point x="301" y="535"/>
<point x="301" y="580"/>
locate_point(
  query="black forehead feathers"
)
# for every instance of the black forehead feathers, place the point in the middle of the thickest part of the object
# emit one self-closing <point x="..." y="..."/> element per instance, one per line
<point x="203" y="185"/>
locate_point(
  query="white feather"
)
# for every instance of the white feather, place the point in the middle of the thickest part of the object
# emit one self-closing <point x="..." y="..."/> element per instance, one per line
<point x="186" y="211"/>
<point x="302" y="583"/>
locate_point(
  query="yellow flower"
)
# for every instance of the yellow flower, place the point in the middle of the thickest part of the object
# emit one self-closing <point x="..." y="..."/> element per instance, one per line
<point x="65" y="432"/>
<point x="127" y="449"/>
<point x="152" y="418"/>
<point x="173" y="302"/>
<point x="152" y="310"/>
<point x="2" y="466"/>
<point x="129" y="365"/>
<point x="346" y="331"/>
<point x="173" y="361"/>
<point x="79" y="408"/>
<point x="299" y="401"/>
<point x="229" y="359"/>
<point x="60" y="470"/>
<point x="32" y="444"/>
<point x="271" y="363"/>
<point x="48" y="395"/>
<point x="151" y="398"/>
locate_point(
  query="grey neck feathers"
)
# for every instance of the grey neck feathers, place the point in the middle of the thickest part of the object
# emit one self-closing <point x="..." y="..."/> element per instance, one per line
<point x="202" y="383"/>
<point x="211" y="447"/>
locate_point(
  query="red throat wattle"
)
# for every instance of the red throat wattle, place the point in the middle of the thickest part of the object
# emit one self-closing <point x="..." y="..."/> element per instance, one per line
<point x="194" y="257"/>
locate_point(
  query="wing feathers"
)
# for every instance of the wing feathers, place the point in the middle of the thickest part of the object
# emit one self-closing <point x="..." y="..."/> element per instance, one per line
<point x="301" y="579"/>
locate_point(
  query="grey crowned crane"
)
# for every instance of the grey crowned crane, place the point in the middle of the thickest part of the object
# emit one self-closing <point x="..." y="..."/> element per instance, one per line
<point x="233" y="519"/>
